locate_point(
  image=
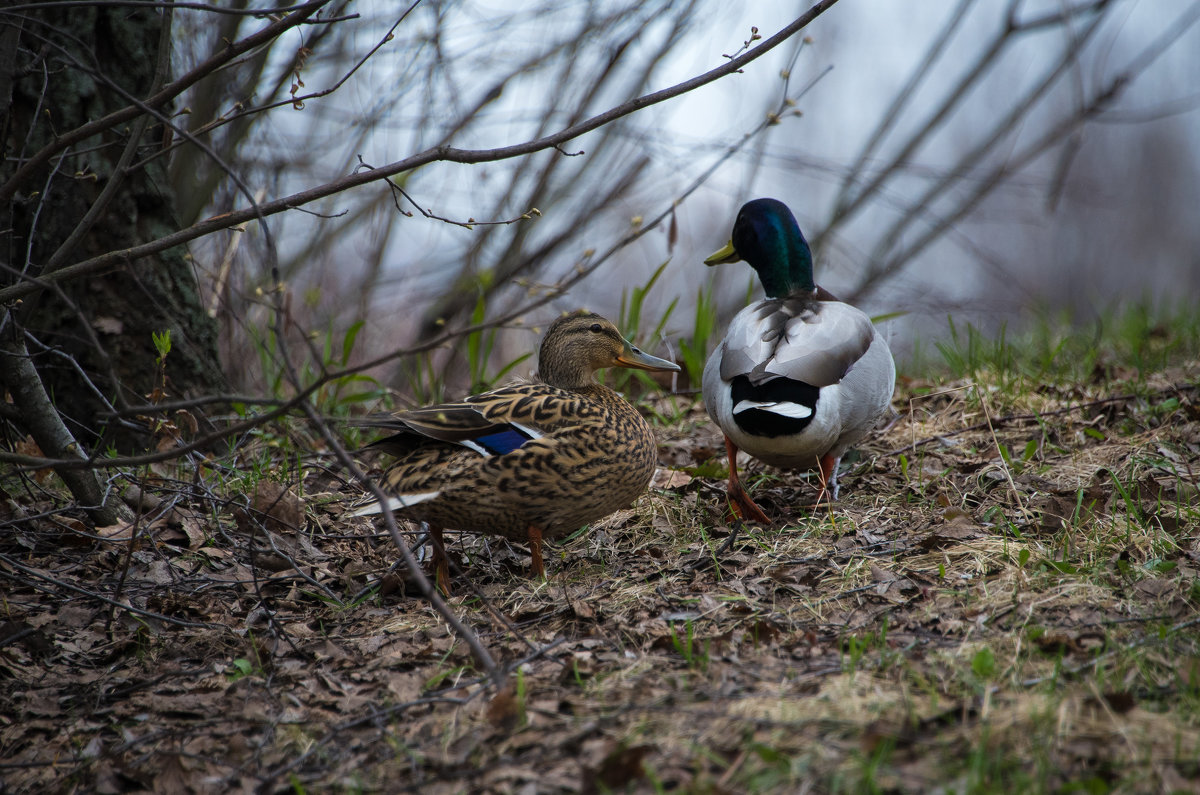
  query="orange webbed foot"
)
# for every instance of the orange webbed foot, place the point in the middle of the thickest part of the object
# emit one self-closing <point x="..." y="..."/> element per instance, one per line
<point x="739" y="501"/>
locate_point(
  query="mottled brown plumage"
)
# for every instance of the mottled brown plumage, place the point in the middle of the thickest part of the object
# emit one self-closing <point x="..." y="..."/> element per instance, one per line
<point x="532" y="460"/>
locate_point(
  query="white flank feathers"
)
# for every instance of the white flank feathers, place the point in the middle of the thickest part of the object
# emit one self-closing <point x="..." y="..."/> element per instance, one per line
<point x="534" y="433"/>
<point x="396" y="503"/>
<point x="796" y="411"/>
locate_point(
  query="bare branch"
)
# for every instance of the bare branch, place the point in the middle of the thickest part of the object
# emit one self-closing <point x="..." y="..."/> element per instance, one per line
<point x="64" y="585"/>
<point x="20" y="377"/>
<point x="258" y="13"/>
<point x="889" y="117"/>
<point x="999" y="131"/>
<point x="1053" y="136"/>
<point x="439" y="153"/>
<point x="158" y="99"/>
<point x="478" y="650"/>
<point x="849" y="205"/>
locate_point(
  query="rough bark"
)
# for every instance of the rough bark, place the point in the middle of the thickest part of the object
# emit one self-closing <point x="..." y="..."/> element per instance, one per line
<point x="66" y="67"/>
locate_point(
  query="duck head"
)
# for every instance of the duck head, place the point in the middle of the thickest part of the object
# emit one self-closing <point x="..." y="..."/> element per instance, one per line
<point x="578" y="344"/>
<point x="767" y="236"/>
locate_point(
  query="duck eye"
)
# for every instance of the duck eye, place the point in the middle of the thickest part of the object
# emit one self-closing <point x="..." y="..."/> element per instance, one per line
<point x="596" y="328"/>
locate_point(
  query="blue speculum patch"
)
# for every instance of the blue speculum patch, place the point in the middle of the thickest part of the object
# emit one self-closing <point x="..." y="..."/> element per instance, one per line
<point x="502" y="441"/>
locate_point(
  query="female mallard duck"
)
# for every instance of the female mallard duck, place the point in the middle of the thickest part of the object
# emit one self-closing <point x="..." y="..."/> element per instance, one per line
<point x="800" y="376"/>
<point x="528" y="461"/>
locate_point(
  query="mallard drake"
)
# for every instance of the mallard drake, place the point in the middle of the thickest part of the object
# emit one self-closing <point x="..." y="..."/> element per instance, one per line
<point x="532" y="460"/>
<point x="800" y="377"/>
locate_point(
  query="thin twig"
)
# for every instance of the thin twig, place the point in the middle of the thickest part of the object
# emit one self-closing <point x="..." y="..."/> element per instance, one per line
<point x="440" y="153"/>
<point x="65" y="140"/>
<point x="57" y="583"/>
<point x="478" y="650"/>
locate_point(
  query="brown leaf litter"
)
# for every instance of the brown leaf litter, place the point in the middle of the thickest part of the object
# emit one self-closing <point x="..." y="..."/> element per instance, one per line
<point x="1022" y="595"/>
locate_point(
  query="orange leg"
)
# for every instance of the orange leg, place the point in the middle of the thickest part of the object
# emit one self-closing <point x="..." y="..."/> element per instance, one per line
<point x="739" y="501"/>
<point x="535" y="552"/>
<point x="829" y="487"/>
<point x="440" y="565"/>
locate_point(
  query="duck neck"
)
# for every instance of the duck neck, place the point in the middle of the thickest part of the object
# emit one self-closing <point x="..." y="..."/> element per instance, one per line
<point x="564" y="372"/>
<point x="788" y="269"/>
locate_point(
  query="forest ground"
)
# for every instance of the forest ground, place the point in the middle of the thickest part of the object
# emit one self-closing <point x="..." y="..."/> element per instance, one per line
<point x="1005" y="598"/>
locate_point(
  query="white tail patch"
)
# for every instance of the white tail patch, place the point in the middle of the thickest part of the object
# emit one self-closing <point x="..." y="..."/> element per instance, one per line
<point x="467" y="443"/>
<point x="796" y="411"/>
<point x="534" y="433"/>
<point x="396" y="503"/>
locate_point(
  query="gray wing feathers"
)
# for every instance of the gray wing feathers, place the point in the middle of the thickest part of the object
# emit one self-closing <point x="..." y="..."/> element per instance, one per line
<point x="797" y="339"/>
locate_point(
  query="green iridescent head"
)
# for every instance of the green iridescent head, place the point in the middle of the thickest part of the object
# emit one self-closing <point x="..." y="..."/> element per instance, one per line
<point x="767" y="236"/>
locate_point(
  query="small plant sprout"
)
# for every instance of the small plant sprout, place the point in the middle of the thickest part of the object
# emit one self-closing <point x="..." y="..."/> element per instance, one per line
<point x="162" y="344"/>
<point x="689" y="648"/>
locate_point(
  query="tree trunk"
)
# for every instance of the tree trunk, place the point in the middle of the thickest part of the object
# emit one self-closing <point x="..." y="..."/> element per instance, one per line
<point x="66" y="67"/>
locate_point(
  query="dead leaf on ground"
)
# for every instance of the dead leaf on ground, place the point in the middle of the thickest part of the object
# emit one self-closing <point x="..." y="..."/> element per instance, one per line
<point x="670" y="479"/>
<point x="1156" y="587"/>
<point x="122" y="532"/>
<point x="882" y="575"/>
<point x="617" y="769"/>
<point x="959" y="527"/>
<point x="503" y="710"/>
<point x="276" y="506"/>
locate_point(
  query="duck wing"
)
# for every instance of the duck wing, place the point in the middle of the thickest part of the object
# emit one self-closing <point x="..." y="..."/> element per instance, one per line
<point x="439" y="444"/>
<point x="808" y="341"/>
<point x="492" y="423"/>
